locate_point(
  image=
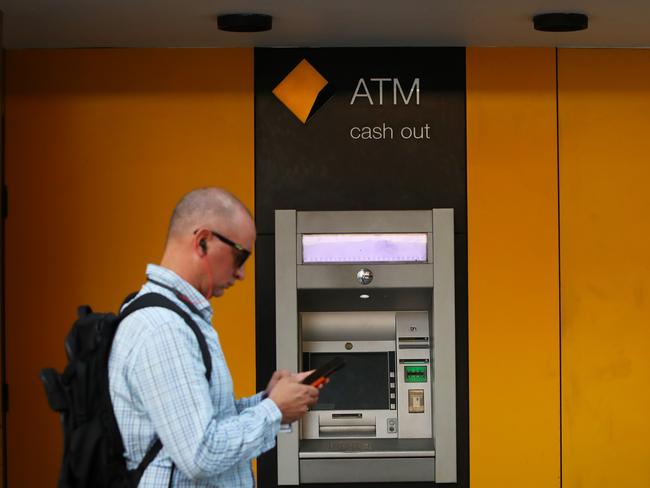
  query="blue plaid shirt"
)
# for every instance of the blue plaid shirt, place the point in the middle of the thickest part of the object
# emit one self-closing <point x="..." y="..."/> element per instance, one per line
<point x="158" y="388"/>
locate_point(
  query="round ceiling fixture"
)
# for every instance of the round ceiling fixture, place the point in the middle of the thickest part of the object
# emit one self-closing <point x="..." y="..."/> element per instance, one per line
<point x="560" y="22"/>
<point x="244" y="22"/>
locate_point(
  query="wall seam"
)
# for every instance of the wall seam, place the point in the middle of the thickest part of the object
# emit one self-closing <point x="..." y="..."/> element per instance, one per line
<point x="559" y="261"/>
<point x="4" y="405"/>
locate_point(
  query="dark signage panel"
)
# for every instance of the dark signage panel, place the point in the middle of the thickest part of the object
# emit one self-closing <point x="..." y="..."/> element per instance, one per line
<point x="387" y="131"/>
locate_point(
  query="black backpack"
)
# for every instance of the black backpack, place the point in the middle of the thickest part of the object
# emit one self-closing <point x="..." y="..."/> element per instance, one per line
<point x="93" y="451"/>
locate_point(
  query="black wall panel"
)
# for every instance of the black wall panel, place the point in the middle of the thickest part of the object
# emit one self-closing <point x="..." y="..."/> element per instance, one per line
<point x="318" y="165"/>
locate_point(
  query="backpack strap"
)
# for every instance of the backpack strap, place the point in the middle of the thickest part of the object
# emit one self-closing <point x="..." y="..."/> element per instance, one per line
<point x="157" y="300"/>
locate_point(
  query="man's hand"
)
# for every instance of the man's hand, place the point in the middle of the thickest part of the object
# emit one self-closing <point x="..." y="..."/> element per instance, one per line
<point x="292" y="397"/>
<point x="304" y="374"/>
<point x="277" y="376"/>
<point x="283" y="373"/>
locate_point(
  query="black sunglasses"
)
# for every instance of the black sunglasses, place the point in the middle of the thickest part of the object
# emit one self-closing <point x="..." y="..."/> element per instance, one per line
<point x="241" y="254"/>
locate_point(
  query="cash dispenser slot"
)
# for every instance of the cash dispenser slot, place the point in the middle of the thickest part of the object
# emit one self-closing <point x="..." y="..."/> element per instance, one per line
<point x="347" y="425"/>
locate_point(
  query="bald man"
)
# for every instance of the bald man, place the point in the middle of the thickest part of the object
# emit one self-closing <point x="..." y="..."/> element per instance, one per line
<point x="156" y="372"/>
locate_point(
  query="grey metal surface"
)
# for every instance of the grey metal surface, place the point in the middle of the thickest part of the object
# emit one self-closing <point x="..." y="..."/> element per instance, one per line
<point x="412" y="326"/>
<point x="381" y="221"/>
<point x="367" y="470"/>
<point x="345" y="276"/>
<point x="286" y="331"/>
<point x="444" y="346"/>
<point x="348" y="326"/>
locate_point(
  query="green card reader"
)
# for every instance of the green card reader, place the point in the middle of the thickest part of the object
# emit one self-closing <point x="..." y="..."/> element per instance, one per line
<point x="415" y="373"/>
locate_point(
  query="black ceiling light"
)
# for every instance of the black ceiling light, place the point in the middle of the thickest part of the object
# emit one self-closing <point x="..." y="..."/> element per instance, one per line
<point x="244" y="22"/>
<point x="560" y="22"/>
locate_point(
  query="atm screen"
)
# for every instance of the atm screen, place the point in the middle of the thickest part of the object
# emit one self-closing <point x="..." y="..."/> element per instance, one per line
<point x="364" y="248"/>
<point x="362" y="384"/>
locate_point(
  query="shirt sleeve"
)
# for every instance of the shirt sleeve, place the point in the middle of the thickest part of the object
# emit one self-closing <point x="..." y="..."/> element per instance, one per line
<point x="248" y="402"/>
<point x="169" y="376"/>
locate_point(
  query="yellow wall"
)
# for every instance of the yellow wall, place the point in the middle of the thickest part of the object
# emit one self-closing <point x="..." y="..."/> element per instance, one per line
<point x="605" y="255"/>
<point x="100" y="146"/>
<point x="514" y="378"/>
<point x="604" y="237"/>
<point x="90" y="132"/>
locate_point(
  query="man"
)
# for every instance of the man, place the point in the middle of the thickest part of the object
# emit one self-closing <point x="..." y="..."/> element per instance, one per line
<point x="156" y="372"/>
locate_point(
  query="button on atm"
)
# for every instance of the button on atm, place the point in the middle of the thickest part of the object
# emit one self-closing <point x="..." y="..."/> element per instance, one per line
<point x="377" y="290"/>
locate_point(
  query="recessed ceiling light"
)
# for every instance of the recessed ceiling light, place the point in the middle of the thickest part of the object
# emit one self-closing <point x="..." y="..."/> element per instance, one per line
<point x="364" y="296"/>
<point x="244" y="22"/>
<point x="560" y="22"/>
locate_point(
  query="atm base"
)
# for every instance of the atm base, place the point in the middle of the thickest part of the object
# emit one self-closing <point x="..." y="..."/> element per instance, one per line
<point x="366" y="470"/>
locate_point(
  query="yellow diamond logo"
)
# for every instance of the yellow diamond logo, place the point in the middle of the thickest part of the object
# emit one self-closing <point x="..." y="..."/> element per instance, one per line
<point x="303" y="91"/>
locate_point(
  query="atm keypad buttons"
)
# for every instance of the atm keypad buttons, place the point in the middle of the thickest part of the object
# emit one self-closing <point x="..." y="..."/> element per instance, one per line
<point x="416" y="401"/>
<point x="392" y="391"/>
<point x="392" y="425"/>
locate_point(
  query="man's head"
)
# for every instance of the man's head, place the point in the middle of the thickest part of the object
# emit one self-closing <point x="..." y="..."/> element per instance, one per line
<point x="211" y="233"/>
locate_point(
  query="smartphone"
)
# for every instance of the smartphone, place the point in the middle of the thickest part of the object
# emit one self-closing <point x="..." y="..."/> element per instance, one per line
<point x="319" y="376"/>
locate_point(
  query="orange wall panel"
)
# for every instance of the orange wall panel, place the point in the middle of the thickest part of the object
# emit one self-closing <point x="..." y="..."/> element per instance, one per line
<point x="604" y="108"/>
<point x="100" y="146"/>
<point x="514" y="377"/>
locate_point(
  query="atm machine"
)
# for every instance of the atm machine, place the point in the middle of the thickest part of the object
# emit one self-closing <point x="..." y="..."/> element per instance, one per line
<point x="375" y="288"/>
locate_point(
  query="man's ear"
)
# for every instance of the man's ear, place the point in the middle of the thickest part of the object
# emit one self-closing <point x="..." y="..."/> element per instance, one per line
<point x="201" y="242"/>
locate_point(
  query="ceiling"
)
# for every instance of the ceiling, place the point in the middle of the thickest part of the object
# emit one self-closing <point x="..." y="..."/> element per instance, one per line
<point x="192" y="23"/>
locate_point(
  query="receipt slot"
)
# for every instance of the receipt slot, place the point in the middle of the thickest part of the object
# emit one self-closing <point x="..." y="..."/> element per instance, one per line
<point x="375" y="288"/>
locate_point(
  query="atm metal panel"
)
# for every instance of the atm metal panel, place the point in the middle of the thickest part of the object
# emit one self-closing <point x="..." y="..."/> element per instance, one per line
<point x="444" y="346"/>
<point x="407" y="432"/>
<point x="286" y="344"/>
<point x="371" y="470"/>
<point x="315" y="276"/>
<point x="364" y="221"/>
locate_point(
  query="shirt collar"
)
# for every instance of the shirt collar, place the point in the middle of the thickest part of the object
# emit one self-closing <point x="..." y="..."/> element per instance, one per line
<point x="168" y="277"/>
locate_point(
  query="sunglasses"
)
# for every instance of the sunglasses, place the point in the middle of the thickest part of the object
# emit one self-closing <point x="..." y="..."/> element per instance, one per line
<point x="241" y="254"/>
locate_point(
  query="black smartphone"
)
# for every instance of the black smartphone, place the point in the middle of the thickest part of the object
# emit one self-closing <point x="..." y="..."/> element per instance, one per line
<point x="323" y="372"/>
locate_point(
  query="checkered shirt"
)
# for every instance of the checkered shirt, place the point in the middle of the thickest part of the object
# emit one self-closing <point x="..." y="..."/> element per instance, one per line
<point x="159" y="389"/>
